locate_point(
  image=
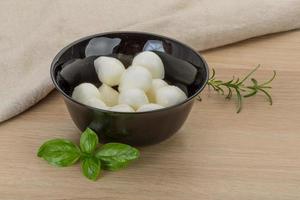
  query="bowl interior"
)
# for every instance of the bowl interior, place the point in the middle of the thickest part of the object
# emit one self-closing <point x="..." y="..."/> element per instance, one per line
<point x="75" y="63"/>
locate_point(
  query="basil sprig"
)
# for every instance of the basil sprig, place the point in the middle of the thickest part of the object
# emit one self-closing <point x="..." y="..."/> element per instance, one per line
<point x="110" y="156"/>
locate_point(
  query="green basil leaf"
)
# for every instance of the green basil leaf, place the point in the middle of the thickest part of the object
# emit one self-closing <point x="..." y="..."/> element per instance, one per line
<point x="88" y="141"/>
<point x="59" y="152"/>
<point x="114" y="156"/>
<point x="91" y="167"/>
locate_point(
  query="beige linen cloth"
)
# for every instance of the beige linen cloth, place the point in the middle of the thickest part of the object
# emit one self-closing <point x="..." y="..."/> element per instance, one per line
<point x="33" y="31"/>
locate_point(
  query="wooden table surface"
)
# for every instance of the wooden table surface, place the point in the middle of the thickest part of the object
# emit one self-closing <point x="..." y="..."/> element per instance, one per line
<point x="218" y="154"/>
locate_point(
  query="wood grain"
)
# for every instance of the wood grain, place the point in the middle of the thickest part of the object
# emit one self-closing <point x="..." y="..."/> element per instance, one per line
<point x="216" y="155"/>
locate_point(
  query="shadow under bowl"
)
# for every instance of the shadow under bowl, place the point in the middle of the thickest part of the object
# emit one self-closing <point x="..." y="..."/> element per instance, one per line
<point x="184" y="68"/>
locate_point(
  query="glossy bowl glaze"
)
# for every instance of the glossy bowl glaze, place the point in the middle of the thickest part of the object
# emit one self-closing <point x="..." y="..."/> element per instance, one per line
<point x="184" y="67"/>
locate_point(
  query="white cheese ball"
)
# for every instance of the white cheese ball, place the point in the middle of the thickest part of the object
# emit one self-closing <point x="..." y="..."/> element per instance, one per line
<point x="85" y="91"/>
<point x="133" y="97"/>
<point x="109" y="70"/>
<point x="152" y="62"/>
<point x="108" y="95"/>
<point x="169" y="96"/>
<point x="148" y="107"/>
<point x="156" y="84"/>
<point x="122" y="108"/>
<point x="135" y="77"/>
<point x="96" y="103"/>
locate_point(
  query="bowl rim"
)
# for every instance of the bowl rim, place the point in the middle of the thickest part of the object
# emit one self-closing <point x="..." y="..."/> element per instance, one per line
<point x="62" y="51"/>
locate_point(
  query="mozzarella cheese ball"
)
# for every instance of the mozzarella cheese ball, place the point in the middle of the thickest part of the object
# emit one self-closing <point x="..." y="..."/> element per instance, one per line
<point x="85" y="91"/>
<point x="133" y="97"/>
<point x="148" y="107"/>
<point x="108" y="95"/>
<point x="135" y="77"/>
<point x="96" y="103"/>
<point x="169" y="96"/>
<point x="152" y="62"/>
<point x="122" y="108"/>
<point x="156" y="84"/>
<point x="109" y="70"/>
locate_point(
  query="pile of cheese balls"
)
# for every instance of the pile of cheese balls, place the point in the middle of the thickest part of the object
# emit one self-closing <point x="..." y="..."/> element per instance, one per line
<point x="140" y="87"/>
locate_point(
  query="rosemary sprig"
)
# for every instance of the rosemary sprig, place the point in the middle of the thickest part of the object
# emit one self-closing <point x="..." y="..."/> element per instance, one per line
<point x="240" y="88"/>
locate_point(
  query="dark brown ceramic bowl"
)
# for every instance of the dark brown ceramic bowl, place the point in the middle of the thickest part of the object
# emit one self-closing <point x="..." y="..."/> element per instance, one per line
<point x="184" y="67"/>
